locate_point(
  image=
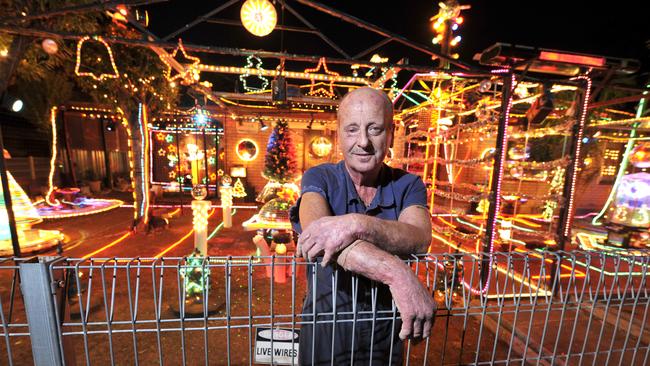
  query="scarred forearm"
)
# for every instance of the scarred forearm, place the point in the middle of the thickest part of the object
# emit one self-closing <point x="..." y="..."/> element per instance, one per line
<point x="368" y="260"/>
<point x="404" y="237"/>
<point x="414" y="302"/>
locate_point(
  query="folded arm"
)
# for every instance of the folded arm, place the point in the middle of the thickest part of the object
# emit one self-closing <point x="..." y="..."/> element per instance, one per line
<point x="327" y="235"/>
<point x="362" y="257"/>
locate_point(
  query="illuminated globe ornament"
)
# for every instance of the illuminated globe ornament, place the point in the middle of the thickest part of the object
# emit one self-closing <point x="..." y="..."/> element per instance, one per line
<point x="258" y="17"/>
<point x="226" y="180"/>
<point x="320" y="146"/>
<point x="199" y="192"/>
<point x="50" y="46"/>
<point x="640" y="156"/>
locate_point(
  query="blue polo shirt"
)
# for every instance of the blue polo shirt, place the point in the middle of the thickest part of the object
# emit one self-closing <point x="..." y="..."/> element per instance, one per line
<point x="396" y="190"/>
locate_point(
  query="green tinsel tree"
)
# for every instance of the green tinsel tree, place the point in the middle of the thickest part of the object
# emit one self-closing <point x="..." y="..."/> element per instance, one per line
<point x="280" y="162"/>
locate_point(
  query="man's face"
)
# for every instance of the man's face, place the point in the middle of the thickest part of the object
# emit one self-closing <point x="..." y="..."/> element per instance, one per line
<point x="364" y="133"/>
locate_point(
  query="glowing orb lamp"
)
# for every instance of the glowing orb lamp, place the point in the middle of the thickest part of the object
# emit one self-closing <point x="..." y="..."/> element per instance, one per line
<point x="320" y="146"/>
<point x="258" y="17"/>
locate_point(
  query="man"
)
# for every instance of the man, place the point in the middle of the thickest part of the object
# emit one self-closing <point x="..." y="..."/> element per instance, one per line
<point x="362" y="214"/>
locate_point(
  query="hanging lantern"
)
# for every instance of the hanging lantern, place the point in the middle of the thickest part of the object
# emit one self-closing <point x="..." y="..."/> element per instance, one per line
<point x="258" y="17"/>
<point x="49" y="46"/>
<point x="320" y="146"/>
<point x="640" y="156"/>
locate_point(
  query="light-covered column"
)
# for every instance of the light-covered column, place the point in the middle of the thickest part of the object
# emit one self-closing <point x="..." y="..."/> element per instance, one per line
<point x="200" y="210"/>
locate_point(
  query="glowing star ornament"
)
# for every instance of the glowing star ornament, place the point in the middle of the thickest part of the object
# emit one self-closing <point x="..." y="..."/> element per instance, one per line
<point x="190" y="63"/>
<point x="169" y="138"/>
<point x="113" y="75"/>
<point x="329" y="93"/>
<point x="160" y="136"/>
<point x="258" y="17"/>
<point x="162" y="152"/>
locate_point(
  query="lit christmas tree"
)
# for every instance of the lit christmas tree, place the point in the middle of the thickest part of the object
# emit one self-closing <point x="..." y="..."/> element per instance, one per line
<point x="280" y="162"/>
<point x="238" y="189"/>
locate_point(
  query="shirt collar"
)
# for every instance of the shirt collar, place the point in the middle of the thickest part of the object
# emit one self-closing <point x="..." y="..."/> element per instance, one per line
<point x="384" y="196"/>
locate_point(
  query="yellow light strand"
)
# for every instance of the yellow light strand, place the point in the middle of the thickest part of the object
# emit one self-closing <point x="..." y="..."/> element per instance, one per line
<point x="101" y="76"/>
<point x="51" y="187"/>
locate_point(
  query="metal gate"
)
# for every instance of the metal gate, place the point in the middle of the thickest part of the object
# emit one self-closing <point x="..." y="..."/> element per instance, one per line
<point x="535" y="308"/>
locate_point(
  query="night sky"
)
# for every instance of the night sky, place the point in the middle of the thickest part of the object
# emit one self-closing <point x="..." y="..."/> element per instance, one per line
<point x="579" y="26"/>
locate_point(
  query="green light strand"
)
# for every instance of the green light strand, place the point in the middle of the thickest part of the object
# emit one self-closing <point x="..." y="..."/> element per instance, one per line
<point x="258" y="66"/>
<point x="411" y="99"/>
<point x="422" y="95"/>
<point x="623" y="166"/>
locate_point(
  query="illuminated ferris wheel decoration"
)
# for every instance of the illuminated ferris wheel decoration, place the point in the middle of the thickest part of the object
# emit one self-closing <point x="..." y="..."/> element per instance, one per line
<point x="258" y="17"/>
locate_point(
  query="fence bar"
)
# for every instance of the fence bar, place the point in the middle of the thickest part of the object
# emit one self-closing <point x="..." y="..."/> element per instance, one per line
<point x="38" y="289"/>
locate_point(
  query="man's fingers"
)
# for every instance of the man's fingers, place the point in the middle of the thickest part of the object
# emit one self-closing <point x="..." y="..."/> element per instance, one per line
<point x="417" y="327"/>
<point x="305" y="246"/>
<point x="407" y="327"/>
<point x="326" y="258"/>
<point x="426" y="330"/>
<point x="314" y="252"/>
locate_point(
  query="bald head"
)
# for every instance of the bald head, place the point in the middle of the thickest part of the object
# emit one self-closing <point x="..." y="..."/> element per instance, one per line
<point x="365" y="119"/>
<point x="371" y="98"/>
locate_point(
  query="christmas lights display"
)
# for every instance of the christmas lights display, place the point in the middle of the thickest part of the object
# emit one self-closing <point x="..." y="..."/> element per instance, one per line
<point x="178" y="155"/>
<point x="445" y="23"/>
<point x="190" y="73"/>
<point x="320" y="91"/>
<point x="492" y="183"/>
<point x="113" y="74"/>
<point x="280" y="163"/>
<point x="258" y="17"/>
<point x="632" y="201"/>
<point x="26" y="215"/>
<point x="280" y="193"/>
<point x="256" y="62"/>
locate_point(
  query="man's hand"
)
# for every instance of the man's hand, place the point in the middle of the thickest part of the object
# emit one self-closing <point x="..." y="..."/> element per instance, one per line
<point x="327" y="236"/>
<point x="415" y="304"/>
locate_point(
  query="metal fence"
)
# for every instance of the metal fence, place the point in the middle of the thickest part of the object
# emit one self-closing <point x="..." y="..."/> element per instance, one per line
<point x="577" y="308"/>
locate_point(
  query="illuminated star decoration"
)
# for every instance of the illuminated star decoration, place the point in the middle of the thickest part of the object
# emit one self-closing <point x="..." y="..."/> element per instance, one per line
<point x="213" y="177"/>
<point x="258" y="67"/>
<point x="171" y="148"/>
<point x="190" y="68"/>
<point x="219" y="172"/>
<point x="169" y="138"/>
<point x="321" y="63"/>
<point x="114" y="75"/>
<point x="162" y="152"/>
<point x="211" y="160"/>
<point x="172" y="174"/>
<point x="160" y="136"/>
<point x="212" y="151"/>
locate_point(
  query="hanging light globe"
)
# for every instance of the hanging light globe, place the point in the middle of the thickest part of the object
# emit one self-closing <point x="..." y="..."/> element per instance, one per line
<point x="640" y="156"/>
<point x="258" y="17"/>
